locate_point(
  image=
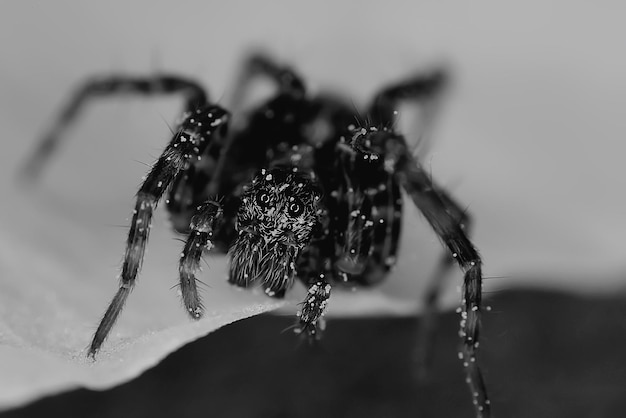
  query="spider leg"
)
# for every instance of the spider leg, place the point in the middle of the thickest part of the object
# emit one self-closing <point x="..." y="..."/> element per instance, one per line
<point x="428" y="325"/>
<point x="200" y="181"/>
<point x="187" y="143"/>
<point x="425" y="89"/>
<point x="195" y="96"/>
<point x="418" y="185"/>
<point x="203" y="225"/>
<point x="259" y="64"/>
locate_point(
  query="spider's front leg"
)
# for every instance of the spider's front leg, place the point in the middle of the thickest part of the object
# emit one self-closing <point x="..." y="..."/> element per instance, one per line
<point x="197" y="130"/>
<point x="393" y="149"/>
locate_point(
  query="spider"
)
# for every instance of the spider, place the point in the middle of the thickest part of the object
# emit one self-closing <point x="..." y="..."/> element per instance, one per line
<point x="307" y="190"/>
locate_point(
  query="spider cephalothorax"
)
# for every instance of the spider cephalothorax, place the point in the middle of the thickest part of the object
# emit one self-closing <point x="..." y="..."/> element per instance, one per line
<point x="307" y="192"/>
<point x="278" y="213"/>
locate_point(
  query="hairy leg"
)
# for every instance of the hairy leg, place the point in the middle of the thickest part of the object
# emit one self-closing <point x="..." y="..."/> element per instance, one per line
<point x="187" y="144"/>
<point x="262" y="65"/>
<point x="428" y="324"/>
<point x="417" y="183"/>
<point x="203" y="225"/>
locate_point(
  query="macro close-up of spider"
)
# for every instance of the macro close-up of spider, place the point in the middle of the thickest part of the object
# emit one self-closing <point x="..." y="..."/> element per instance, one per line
<point x="300" y="187"/>
<point x="312" y="209"/>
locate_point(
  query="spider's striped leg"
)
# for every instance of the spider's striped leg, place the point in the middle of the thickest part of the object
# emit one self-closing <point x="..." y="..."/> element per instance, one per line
<point x="188" y="143"/>
<point x="198" y="183"/>
<point x="259" y="64"/>
<point x="417" y="183"/>
<point x="195" y="96"/>
<point x="203" y="225"/>
<point x="428" y="323"/>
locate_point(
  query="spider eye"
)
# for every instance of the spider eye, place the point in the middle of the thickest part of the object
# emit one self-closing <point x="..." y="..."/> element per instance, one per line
<point x="263" y="199"/>
<point x="295" y="207"/>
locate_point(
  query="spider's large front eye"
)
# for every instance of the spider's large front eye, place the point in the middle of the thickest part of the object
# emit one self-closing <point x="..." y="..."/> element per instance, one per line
<point x="295" y="207"/>
<point x="263" y="199"/>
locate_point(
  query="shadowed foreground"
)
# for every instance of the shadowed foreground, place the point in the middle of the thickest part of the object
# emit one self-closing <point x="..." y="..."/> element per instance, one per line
<point x="544" y="354"/>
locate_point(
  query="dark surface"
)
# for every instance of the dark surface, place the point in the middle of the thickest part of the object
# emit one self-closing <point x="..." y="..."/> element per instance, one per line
<point x="544" y="355"/>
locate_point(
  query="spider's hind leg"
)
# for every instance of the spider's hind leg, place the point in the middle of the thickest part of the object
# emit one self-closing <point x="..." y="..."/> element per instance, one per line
<point x="260" y="64"/>
<point x="195" y="96"/>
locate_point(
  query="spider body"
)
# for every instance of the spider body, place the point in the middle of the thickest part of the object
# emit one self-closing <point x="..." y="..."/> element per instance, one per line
<point x="306" y="191"/>
<point x="352" y="231"/>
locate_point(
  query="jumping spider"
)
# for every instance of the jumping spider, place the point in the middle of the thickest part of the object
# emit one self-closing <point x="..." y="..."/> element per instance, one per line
<point x="307" y="190"/>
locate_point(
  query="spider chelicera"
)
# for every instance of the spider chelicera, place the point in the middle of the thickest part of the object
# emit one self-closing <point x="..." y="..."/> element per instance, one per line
<point x="307" y="190"/>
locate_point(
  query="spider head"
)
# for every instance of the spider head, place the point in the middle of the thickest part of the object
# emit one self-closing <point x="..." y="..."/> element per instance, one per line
<point x="276" y="219"/>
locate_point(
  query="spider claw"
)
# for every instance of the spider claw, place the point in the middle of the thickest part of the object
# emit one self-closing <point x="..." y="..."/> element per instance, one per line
<point x="91" y="354"/>
<point x="195" y="313"/>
